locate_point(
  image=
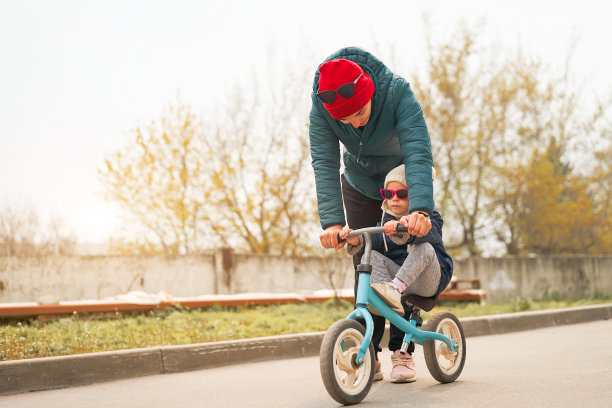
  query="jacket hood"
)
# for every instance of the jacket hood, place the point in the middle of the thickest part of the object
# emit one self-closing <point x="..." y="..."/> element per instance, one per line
<point x="379" y="73"/>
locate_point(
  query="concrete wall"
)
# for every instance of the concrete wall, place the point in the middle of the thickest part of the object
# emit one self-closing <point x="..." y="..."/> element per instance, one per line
<point x="54" y="278"/>
<point x="535" y="277"/>
<point x="25" y="279"/>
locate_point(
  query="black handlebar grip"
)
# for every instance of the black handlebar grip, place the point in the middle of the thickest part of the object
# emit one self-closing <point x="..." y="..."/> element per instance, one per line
<point x="400" y="228"/>
<point x="340" y="239"/>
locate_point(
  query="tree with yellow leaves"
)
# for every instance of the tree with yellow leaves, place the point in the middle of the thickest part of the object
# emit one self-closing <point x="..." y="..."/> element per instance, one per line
<point x="239" y="178"/>
<point x="492" y="115"/>
<point x="554" y="208"/>
<point x="159" y="180"/>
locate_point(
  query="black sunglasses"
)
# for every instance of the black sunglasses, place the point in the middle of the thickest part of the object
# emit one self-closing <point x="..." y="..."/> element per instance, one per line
<point x="345" y="91"/>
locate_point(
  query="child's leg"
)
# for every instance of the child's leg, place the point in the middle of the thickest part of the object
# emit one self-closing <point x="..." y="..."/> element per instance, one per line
<point x="420" y="271"/>
<point x="380" y="273"/>
<point x="383" y="268"/>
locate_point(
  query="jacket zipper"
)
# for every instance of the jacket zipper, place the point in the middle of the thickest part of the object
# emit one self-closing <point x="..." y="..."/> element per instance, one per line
<point x="360" y="142"/>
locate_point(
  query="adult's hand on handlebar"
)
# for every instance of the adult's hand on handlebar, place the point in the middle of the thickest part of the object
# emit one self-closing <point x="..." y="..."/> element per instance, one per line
<point x="418" y="224"/>
<point x="329" y="237"/>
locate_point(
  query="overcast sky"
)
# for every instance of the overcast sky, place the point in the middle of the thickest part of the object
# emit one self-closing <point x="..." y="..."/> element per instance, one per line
<point x="76" y="75"/>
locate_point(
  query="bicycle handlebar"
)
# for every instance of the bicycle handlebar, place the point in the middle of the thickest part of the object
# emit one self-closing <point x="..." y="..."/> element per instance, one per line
<point x="371" y="230"/>
<point x="366" y="232"/>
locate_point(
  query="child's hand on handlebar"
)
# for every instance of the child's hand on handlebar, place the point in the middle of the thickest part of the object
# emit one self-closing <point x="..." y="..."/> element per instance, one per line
<point x="390" y="227"/>
<point x="344" y="234"/>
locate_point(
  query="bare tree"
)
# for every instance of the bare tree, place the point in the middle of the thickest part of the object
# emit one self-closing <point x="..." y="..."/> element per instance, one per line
<point x="263" y="190"/>
<point x="18" y="228"/>
<point x="22" y="233"/>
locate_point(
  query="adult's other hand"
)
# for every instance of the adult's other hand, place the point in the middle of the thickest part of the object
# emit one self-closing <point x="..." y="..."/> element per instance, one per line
<point x="329" y="237"/>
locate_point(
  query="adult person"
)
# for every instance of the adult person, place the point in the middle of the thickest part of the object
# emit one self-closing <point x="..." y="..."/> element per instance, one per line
<point x="359" y="103"/>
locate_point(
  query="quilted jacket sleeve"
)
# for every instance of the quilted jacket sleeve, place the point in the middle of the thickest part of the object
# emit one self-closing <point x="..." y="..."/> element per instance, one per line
<point x="355" y="249"/>
<point x="416" y="147"/>
<point x="400" y="238"/>
<point x="325" y="153"/>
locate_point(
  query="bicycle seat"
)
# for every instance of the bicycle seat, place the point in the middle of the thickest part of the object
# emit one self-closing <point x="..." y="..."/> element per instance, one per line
<point x="425" y="303"/>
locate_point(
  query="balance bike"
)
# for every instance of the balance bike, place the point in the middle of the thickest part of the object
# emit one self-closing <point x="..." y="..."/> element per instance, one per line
<point x="347" y="355"/>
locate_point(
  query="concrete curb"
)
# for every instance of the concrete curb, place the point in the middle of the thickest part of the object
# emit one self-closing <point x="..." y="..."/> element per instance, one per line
<point x="207" y="355"/>
<point x="512" y="322"/>
<point x="38" y="374"/>
<point x="66" y="371"/>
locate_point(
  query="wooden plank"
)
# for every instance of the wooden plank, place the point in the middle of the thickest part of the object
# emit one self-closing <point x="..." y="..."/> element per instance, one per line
<point x="16" y="310"/>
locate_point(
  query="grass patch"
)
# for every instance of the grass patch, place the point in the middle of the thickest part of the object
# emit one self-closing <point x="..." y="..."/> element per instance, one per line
<point x="173" y="326"/>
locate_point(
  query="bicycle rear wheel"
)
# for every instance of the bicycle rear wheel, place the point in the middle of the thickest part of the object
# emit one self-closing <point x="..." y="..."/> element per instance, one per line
<point x="444" y="364"/>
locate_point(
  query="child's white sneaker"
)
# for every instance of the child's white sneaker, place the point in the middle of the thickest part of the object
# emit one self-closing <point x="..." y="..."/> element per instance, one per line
<point x="403" y="368"/>
<point x="389" y="293"/>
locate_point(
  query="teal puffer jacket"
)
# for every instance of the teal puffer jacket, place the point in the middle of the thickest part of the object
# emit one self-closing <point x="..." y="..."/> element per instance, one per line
<point x="396" y="133"/>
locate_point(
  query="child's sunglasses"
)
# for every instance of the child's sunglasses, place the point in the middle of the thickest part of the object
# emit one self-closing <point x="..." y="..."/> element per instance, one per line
<point x="345" y="91"/>
<point x="401" y="194"/>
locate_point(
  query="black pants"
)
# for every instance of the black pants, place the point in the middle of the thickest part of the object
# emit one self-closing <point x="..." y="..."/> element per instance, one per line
<point x="362" y="212"/>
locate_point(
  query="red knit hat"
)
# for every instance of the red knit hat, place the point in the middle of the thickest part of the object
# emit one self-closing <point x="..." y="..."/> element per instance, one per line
<point x="334" y="74"/>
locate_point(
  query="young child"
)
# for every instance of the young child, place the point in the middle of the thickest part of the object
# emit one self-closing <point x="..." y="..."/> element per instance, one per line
<point x="421" y="267"/>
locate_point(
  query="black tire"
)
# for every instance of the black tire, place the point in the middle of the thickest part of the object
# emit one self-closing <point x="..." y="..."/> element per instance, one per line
<point x="345" y="381"/>
<point x="444" y="365"/>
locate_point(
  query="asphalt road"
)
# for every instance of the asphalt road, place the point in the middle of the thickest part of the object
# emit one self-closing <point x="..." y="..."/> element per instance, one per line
<point x="565" y="366"/>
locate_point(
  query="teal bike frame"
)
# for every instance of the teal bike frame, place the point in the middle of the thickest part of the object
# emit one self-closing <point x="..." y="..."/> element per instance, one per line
<point x="366" y="295"/>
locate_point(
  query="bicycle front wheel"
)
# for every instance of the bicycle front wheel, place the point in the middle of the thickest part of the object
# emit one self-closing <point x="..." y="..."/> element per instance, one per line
<point x="345" y="380"/>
